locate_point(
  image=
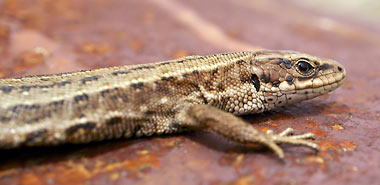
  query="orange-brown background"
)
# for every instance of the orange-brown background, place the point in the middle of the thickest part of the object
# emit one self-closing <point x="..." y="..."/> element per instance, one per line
<point x="49" y="36"/>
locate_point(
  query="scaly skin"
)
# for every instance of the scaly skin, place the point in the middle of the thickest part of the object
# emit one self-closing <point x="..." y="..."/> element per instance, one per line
<point x="191" y="93"/>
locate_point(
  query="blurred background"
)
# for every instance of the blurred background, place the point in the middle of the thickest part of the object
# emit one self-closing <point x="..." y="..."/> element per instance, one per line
<point x="51" y="36"/>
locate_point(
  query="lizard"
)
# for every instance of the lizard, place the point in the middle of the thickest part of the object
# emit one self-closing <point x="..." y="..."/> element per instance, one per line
<point x="185" y="94"/>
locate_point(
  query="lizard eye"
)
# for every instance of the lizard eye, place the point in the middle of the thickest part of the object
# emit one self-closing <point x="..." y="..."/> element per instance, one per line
<point x="304" y="67"/>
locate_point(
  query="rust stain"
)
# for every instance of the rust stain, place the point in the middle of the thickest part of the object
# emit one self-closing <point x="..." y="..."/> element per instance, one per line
<point x="264" y="129"/>
<point x="33" y="13"/>
<point x="114" y="176"/>
<point x="276" y="123"/>
<point x="2" y="73"/>
<point x="179" y="54"/>
<point x="319" y="132"/>
<point x="30" y="179"/>
<point x="337" y="127"/>
<point x="348" y="145"/>
<point x="29" y="59"/>
<point x="4" y="38"/>
<point x="136" y="45"/>
<point x="307" y="123"/>
<point x="258" y="173"/>
<point x="73" y="172"/>
<point x="315" y="159"/>
<point x="97" y="49"/>
<point x="238" y="161"/>
<point x="244" y="180"/>
<point x="328" y="144"/>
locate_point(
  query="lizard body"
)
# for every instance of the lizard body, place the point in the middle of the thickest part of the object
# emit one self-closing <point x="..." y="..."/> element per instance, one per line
<point x="191" y="93"/>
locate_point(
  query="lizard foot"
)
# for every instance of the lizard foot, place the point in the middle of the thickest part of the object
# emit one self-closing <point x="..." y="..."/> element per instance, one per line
<point x="287" y="136"/>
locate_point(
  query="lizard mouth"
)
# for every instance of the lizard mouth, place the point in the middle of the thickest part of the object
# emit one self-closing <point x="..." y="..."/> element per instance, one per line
<point x="330" y="81"/>
<point x="308" y="89"/>
<point x="322" y="85"/>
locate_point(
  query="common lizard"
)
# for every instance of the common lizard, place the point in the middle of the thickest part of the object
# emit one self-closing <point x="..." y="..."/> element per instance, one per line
<point x="190" y="93"/>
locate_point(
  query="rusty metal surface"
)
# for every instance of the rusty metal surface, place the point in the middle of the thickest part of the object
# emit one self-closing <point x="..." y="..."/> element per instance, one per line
<point x="44" y="36"/>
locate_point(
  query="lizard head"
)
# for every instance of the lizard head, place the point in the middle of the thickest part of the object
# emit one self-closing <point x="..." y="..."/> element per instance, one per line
<point x="287" y="77"/>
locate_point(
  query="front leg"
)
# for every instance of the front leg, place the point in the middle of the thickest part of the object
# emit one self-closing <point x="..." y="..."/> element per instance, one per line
<point x="234" y="128"/>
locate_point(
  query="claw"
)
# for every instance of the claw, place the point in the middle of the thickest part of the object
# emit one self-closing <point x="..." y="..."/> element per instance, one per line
<point x="287" y="137"/>
<point x="287" y="132"/>
<point x="276" y="149"/>
<point x="297" y="142"/>
<point x="304" y="136"/>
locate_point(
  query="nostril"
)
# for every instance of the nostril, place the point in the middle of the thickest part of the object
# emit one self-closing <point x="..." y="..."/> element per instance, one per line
<point x="340" y="69"/>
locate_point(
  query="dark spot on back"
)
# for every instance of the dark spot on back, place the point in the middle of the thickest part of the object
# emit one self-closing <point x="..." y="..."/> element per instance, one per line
<point x="114" y="121"/>
<point x="6" y="89"/>
<point x="60" y="84"/>
<point x="120" y="72"/>
<point x="195" y="72"/>
<point x="239" y="61"/>
<point x="214" y="71"/>
<point x="184" y="75"/>
<point x="265" y="78"/>
<point x="289" y="79"/>
<point x="26" y="88"/>
<point x="5" y="119"/>
<point x="137" y="85"/>
<point x="18" y="108"/>
<point x="58" y="103"/>
<point x="287" y="63"/>
<point x="33" y="120"/>
<point x="167" y="78"/>
<point x="88" y="126"/>
<point x="83" y="97"/>
<point x="164" y="63"/>
<point x="104" y="92"/>
<point x="141" y="67"/>
<point x="90" y="78"/>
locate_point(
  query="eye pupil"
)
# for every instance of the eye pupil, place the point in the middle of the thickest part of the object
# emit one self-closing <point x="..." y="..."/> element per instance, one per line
<point x="304" y="67"/>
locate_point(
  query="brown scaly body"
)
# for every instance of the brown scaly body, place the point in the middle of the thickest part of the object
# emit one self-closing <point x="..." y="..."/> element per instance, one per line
<point x="197" y="92"/>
